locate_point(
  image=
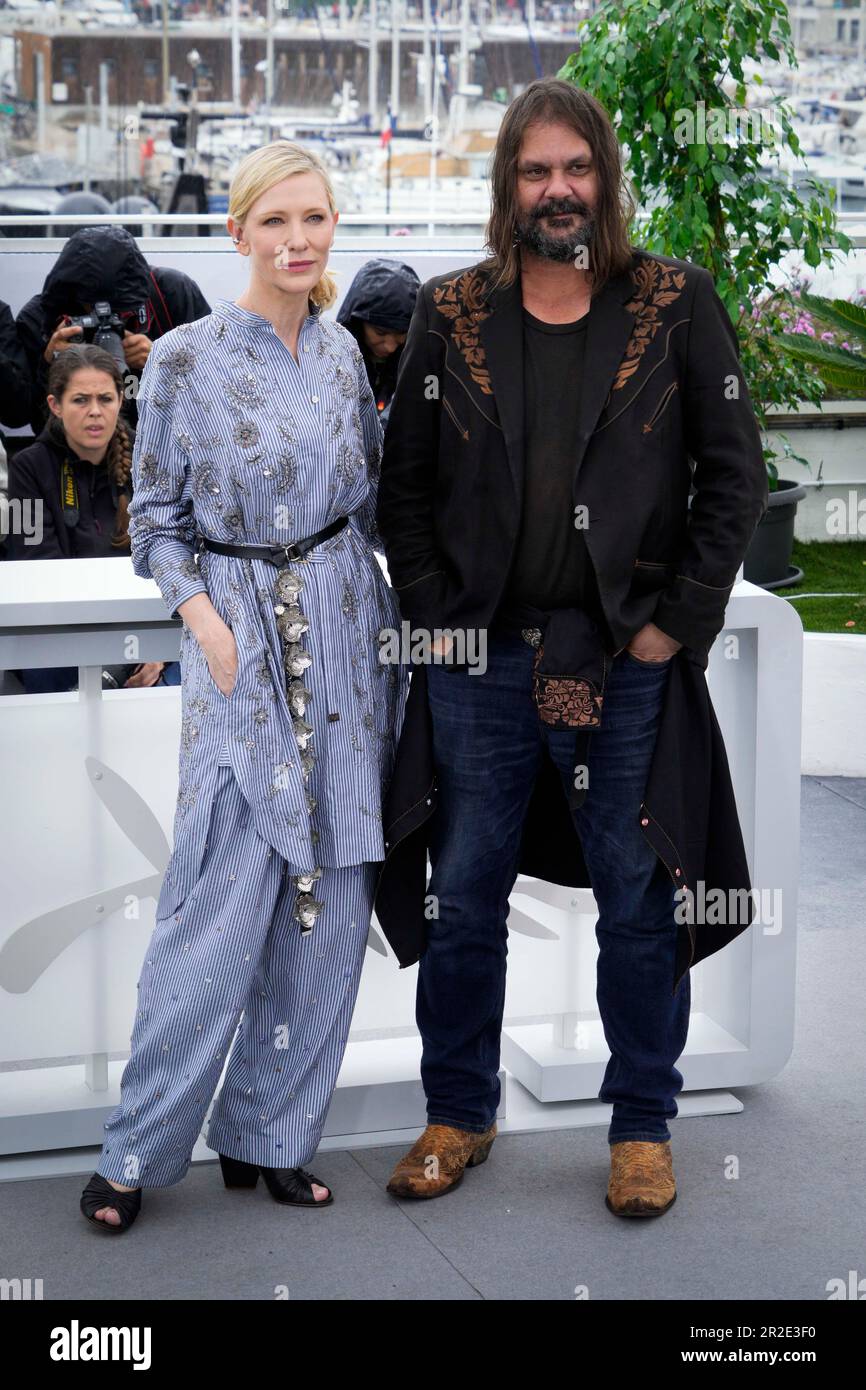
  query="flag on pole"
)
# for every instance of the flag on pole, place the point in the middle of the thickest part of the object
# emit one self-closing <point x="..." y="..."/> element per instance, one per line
<point x="388" y="129"/>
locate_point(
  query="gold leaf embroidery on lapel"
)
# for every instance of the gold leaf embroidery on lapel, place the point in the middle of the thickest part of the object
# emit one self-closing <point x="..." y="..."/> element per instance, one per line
<point x="657" y="286"/>
<point x="460" y="301"/>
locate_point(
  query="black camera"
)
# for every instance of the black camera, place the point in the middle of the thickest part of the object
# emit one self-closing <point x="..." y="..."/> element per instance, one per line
<point x="102" y="327"/>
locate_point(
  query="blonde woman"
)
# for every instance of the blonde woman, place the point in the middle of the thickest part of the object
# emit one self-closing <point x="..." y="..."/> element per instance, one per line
<point x="258" y="446"/>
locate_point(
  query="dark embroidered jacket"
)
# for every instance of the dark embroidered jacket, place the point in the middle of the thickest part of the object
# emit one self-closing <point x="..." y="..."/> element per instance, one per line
<point x="664" y="407"/>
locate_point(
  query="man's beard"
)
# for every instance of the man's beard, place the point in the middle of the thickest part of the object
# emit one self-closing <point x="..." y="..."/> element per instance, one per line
<point x="556" y="246"/>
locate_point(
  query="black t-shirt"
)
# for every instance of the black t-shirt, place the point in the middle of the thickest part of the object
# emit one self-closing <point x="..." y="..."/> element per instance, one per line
<point x="551" y="567"/>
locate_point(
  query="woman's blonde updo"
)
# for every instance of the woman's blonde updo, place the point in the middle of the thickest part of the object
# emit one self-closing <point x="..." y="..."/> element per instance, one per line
<point x="260" y="170"/>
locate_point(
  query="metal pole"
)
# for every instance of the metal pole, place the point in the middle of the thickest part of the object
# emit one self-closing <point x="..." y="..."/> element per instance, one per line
<point x="269" y="60"/>
<point x="40" y="101"/>
<point x="434" y="129"/>
<point x="166" y="96"/>
<point x="395" y="57"/>
<point x="426" y="62"/>
<point x="236" y="55"/>
<point x="88" y="116"/>
<point x="373" y="67"/>
<point x="463" y="66"/>
<point x="103" y="100"/>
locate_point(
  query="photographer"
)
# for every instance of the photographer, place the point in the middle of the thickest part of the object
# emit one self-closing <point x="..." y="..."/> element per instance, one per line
<point x="14" y="397"/>
<point x="102" y="277"/>
<point x="14" y="374"/>
<point x="75" y="480"/>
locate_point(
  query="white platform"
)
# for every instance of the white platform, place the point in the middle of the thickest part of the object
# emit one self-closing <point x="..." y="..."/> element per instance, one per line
<point x="834" y="698"/>
<point x="378" y="1092"/>
<point x="549" y="1070"/>
<point x="519" y="1113"/>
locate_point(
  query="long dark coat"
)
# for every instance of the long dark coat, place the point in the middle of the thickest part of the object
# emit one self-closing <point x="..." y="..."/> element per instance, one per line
<point x="664" y="411"/>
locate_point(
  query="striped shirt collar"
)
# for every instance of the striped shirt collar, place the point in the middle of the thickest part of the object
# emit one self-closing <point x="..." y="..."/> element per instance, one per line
<point x="247" y="319"/>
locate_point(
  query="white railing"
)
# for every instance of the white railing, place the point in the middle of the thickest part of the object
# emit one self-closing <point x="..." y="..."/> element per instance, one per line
<point x="431" y="218"/>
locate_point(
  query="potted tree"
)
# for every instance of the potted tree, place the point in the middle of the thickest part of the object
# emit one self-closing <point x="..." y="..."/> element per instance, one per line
<point x="696" y="157"/>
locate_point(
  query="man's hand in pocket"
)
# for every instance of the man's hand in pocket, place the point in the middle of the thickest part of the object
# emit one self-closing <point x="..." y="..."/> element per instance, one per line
<point x="651" y="644"/>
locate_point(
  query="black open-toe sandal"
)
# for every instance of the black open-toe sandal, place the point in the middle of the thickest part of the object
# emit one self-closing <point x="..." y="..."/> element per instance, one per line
<point x="293" y="1187"/>
<point x="99" y="1193"/>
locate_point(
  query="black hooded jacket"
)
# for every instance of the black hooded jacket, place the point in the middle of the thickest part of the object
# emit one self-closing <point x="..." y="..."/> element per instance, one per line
<point x="103" y="263"/>
<point x="14" y="374"/>
<point x="383" y="293"/>
<point x="67" y="532"/>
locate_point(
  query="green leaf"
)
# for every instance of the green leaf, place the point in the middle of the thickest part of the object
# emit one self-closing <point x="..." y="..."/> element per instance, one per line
<point x="850" y="318"/>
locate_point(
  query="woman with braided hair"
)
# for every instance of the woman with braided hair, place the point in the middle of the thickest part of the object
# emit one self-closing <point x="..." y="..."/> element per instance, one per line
<point x="74" y="485"/>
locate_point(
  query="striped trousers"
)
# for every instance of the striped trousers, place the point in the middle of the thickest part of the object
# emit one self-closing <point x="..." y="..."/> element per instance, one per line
<point x="235" y="947"/>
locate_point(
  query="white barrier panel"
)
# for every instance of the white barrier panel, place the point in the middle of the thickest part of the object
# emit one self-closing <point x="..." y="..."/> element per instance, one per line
<point x="834" y="698"/>
<point x="741" y="1028"/>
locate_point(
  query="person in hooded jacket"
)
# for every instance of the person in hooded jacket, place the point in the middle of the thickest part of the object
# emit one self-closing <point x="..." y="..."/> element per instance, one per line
<point x="15" y="382"/>
<point x="14" y="403"/>
<point x="72" y="487"/>
<point x="104" y="263"/>
<point x="377" y="310"/>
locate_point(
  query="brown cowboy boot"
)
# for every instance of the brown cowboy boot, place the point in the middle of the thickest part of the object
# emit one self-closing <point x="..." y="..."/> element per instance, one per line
<point x="641" y="1178"/>
<point x="436" y="1161"/>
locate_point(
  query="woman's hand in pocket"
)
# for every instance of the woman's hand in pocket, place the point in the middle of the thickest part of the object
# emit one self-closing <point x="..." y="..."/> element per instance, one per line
<point x="215" y="639"/>
<point x="221" y="654"/>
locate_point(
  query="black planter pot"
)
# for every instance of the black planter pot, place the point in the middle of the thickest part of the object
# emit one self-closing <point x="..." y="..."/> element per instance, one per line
<point x="768" y="559"/>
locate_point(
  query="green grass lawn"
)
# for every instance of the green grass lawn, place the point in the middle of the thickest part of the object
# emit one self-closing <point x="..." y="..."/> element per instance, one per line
<point x="830" y="567"/>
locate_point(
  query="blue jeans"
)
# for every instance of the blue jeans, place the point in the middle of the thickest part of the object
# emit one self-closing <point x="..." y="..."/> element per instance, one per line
<point x="41" y="681"/>
<point x="45" y="680"/>
<point x="487" y="742"/>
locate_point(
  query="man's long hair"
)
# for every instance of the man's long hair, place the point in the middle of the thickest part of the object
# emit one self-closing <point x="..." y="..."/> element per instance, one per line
<point x="552" y="99"/>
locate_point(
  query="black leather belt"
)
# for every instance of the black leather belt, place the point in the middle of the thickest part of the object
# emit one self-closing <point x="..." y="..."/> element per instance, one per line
<point x="276" y="554"/>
